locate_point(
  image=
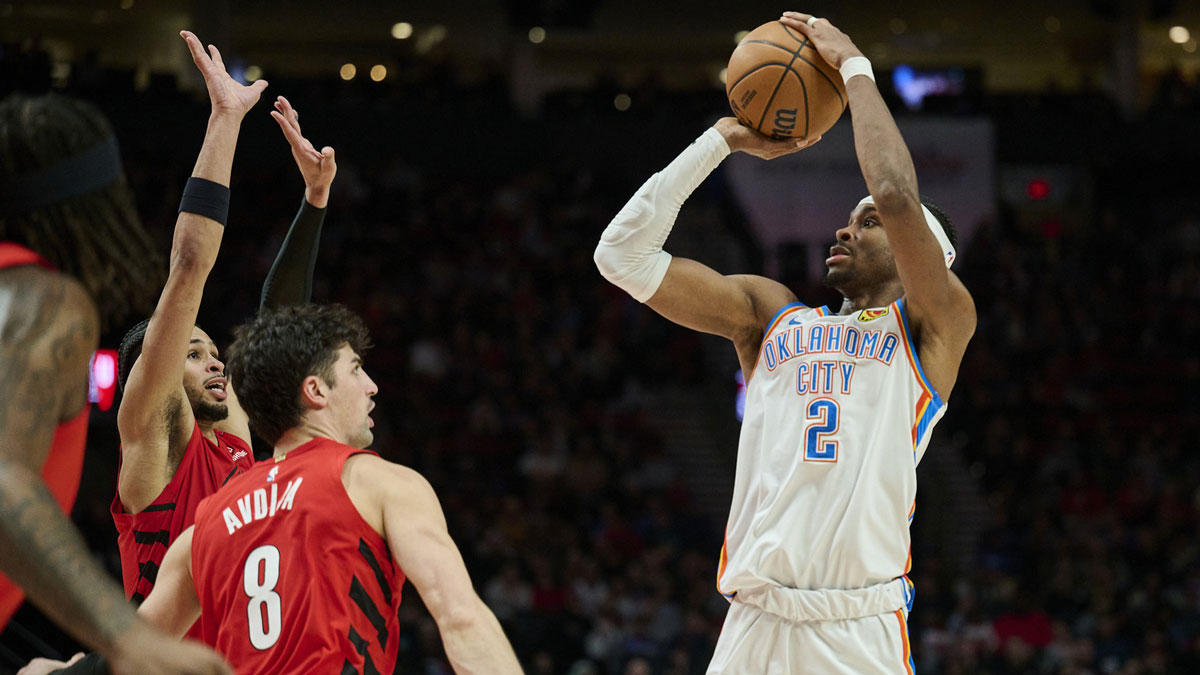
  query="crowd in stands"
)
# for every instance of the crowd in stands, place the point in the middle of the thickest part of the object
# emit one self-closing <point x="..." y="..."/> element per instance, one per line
<point x="522" y="385"/>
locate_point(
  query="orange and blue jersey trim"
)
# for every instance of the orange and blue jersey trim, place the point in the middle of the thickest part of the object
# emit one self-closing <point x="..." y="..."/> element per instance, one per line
<point x="721" y="569"/>
<point x="910" y="668"/>
<point x="902" y="615"/>
<point x="779" y="316"/>
<point x="910" y="594"/>
<point x="772" y="325"/>
<point x="930" y="403"/>
<point x="786" y="309"/>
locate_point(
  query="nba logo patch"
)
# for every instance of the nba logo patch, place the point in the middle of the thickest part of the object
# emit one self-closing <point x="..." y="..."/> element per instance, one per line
<point x="271" y="475"/>
<point x="872" y="314"/>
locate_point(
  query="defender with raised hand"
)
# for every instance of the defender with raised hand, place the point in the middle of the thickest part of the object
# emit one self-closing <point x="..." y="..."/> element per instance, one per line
<point x="297" y="565"/>
<point x="839" y="406"/>
<point x="183" y="432"/>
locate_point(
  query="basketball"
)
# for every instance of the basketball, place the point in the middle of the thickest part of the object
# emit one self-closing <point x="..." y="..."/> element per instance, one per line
<point x="780" y="86"/>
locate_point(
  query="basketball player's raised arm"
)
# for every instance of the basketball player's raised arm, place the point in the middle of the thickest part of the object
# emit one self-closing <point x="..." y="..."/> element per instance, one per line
<point x="415" y="529"/>
<point x="290" y="280"/>
<point x="154" y="415"/>
<point x="933" y="294"/>
<point x="631" y="256"/>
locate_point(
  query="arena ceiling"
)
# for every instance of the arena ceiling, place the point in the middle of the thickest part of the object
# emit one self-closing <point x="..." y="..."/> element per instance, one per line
<point x="1020" y="45"/>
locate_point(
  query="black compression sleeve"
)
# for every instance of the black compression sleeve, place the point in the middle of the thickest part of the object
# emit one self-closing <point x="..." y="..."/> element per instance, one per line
<point x="92" y="664"/>
<point x="290" y="280"/>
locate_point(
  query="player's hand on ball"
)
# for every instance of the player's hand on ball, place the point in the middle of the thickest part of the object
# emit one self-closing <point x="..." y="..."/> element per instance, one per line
<point x="744" y="139"/>
<point x="831" y="43"/>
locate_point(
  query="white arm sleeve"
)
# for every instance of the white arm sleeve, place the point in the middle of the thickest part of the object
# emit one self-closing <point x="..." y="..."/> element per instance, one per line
<point x="630" y="253"/>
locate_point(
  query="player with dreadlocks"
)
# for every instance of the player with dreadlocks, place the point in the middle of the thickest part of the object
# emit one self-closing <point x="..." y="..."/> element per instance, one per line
<point x="73" y="258"/>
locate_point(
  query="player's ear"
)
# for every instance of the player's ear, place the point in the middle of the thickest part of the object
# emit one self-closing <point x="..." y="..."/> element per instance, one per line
<point x="313" y="392"/>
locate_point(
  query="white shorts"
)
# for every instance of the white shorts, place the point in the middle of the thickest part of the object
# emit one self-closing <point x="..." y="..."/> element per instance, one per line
<point x="755" y="641"/>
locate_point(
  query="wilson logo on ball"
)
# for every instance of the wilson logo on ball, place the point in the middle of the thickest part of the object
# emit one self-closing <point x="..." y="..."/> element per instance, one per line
<point x="785" y="123"/>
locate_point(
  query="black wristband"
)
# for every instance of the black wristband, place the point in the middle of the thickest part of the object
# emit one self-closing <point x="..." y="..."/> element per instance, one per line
<point x="205" y="198"/>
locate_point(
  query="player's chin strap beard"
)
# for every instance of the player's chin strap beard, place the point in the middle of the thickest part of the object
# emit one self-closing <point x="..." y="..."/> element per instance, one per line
<point x="935" y="226"/>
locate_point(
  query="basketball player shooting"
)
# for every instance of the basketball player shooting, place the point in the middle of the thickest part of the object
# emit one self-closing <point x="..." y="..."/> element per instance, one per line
<point x="839" y="406"/>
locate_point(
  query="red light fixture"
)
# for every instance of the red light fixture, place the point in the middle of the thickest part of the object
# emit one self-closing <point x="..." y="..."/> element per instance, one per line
<point x="102" y="381"/>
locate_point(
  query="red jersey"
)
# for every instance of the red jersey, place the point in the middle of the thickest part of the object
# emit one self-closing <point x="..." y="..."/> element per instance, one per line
<point x="290" y="577"/>
<point x="64" y="463"/>
<point x="143" y="537"/>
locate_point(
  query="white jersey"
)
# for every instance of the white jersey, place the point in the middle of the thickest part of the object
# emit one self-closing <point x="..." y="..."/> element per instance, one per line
<point x="838" y="414"/>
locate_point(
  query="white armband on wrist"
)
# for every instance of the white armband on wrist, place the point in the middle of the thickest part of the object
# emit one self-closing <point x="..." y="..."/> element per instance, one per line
<point x="856" y="65"/>
<point x="630" y="253"/>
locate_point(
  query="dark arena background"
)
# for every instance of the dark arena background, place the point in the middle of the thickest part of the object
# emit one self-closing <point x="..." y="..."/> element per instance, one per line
<point x="582" y="446"/>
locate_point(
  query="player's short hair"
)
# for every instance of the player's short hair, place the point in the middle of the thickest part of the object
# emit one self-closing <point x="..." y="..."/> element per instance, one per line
<point x="130" y="350"/>
<point x="272" y="354"/>
<point x="942" y="218"/>
<point x="50" y="146"/>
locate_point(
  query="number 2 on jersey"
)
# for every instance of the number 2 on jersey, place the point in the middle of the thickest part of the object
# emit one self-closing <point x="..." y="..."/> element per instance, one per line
<point x="264" y="611"/>
<point x="824" y="417"/>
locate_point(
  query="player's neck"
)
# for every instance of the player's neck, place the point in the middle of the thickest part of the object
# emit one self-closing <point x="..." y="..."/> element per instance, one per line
<point x="869" y="298"/>
<point x="307" y="430"/>
<point x="207" y="430"/>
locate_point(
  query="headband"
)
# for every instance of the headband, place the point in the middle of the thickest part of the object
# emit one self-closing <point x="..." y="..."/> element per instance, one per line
<point x="935" y="226"/>
<point x="86" y="172"/>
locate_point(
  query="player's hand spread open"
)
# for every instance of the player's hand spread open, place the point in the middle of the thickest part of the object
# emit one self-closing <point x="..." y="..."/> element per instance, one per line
<point x="744" y="139"/>
<point x="318" y="168"/>
<point x="227" y="94"/>
<point x="832" y="44"/>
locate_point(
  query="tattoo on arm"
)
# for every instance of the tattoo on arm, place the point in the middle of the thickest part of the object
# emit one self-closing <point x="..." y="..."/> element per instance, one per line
<point x="49" y="330"/>
<point x="46" y="556"/>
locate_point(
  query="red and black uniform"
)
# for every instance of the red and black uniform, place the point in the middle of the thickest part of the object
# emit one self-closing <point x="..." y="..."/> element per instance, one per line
<point x="290" y="577"/>
<point x="143" y="537"/>
<point x="64" y="463"/>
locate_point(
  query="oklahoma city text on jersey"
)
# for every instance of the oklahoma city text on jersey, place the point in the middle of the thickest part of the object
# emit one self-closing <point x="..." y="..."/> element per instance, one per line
<point x="838" y="414"/>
